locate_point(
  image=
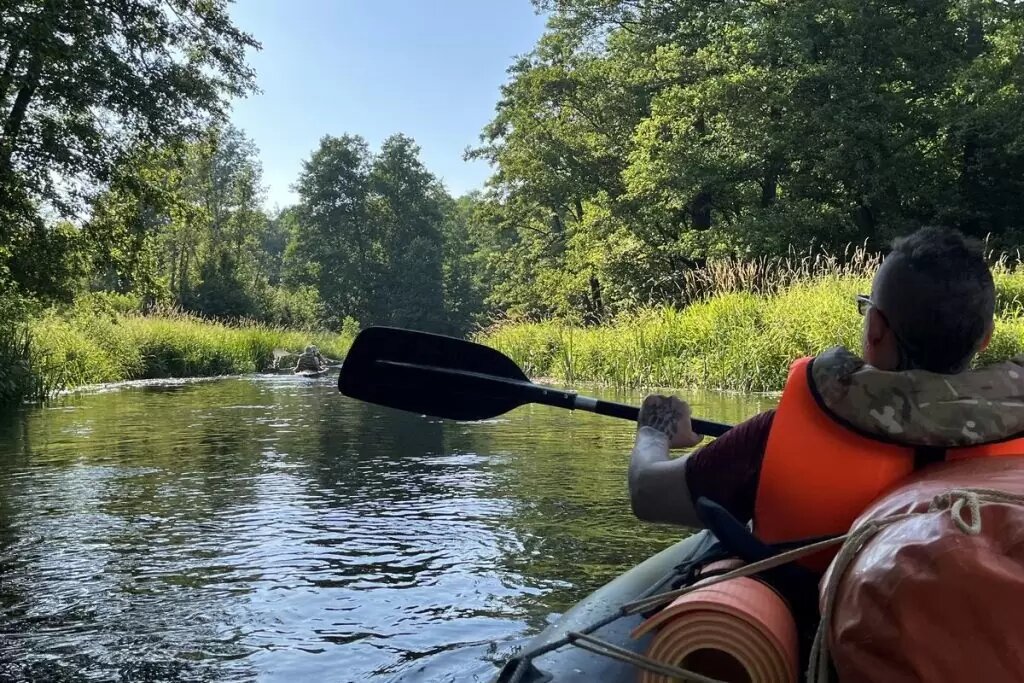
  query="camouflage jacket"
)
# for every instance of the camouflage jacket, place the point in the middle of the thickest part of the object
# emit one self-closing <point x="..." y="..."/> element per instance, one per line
<point x="920" y="408"/>
<point x="309" y="361"/>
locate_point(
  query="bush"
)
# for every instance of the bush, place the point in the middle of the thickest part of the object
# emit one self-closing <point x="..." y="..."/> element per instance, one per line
<point x="299" y="308"/>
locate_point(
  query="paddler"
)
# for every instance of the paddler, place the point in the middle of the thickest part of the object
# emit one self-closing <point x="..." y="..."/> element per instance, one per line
<point x="310" y="360"/>
<point x="848" y="428"/>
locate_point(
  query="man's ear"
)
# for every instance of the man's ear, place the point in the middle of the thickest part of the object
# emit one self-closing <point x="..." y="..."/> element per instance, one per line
<point x="876" y="327"/>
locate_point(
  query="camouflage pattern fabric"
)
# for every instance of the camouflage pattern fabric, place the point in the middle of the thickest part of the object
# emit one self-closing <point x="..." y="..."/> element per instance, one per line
<point x="920" y="408"/>
<point x="310" y="360"/>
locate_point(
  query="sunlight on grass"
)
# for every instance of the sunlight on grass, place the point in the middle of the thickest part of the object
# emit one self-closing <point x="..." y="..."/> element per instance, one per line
<point x="94" y="344"/>
<point x="742" y="334"/>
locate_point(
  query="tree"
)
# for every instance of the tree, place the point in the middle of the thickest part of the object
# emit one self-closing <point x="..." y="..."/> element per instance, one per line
<point x="335" y="245"/>
<point x="380" y="239"/>
<point x="184" y="222"/>
<point x="463" y="265"/>
<point x="640" y="138"/>
<point x="407" y="210"/>
<point x="83" y="82"/>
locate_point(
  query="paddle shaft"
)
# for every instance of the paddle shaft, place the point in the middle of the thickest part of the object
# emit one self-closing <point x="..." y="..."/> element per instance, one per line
<point x="528" y="392"/>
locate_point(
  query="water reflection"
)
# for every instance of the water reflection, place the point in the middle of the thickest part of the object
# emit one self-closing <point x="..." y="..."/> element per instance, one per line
<point x="270" y="528"/>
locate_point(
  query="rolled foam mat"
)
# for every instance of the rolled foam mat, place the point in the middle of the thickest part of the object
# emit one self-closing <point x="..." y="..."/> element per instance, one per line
<point x="738" y="631"/>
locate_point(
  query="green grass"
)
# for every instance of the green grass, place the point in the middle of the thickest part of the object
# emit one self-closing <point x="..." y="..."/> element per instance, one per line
<point x="95" y="342"/>
<point x="733" y="339"/>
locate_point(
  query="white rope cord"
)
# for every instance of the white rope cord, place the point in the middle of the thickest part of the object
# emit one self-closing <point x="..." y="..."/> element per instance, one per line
<point x="645" y="604"/>
<point x="954" y="500"/>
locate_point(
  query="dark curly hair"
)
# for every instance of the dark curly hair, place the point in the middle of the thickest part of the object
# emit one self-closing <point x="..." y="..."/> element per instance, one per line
<point x="939" y="298"/>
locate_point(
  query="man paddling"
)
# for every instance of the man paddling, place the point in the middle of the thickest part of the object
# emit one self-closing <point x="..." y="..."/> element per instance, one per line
<point x="310" y="360"/>
<point x="848" y="428"/>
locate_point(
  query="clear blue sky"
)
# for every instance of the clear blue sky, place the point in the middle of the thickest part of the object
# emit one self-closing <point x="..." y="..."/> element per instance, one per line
<point x="431" y="69"/>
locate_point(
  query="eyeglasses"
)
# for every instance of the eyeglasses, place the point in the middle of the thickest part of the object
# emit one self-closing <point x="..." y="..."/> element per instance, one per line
<point x="864" y="302"/>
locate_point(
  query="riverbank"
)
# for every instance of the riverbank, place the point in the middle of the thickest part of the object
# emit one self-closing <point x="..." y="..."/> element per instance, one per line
<point x="732" y="340"/>
<point x="93" y="343"/>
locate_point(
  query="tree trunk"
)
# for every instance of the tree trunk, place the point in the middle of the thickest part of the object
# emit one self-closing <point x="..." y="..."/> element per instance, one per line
<point x="596" y="314"/>
<point x="8" y="73"/>
<point x="865" y="219"/>
<point x="970" y="184"/>
<point x="769" y="186"/>
<point x="13" y="124"/>
<point x="700" y="211"/>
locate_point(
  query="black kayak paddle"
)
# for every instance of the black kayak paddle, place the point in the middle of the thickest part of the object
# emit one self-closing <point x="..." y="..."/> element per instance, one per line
<point x="451" y="378"/>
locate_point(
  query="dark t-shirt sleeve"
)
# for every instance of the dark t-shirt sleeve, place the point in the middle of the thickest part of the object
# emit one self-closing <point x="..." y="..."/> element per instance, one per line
<point x="727" y="469"/>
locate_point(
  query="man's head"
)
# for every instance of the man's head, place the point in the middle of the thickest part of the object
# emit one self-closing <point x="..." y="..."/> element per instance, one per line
<point x="931" y="306"/>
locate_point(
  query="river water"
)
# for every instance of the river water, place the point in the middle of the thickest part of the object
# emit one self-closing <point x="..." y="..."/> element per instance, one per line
<point x="268" y="528"/>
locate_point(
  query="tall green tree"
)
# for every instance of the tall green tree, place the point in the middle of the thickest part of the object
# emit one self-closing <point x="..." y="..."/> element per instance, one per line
<point x="407" y="210"/>
<point x="643" y="137"/>
<point x="335" y="246"/>
<point x="465" y="278"/>
<point x="83" y="84"/>
<point x="381" y="240"/>
<point x="224" y="181"/>
<point x="185" y="222"/>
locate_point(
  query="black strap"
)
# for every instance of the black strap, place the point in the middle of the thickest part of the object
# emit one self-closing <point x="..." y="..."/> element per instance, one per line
<point x="928" y="455"/>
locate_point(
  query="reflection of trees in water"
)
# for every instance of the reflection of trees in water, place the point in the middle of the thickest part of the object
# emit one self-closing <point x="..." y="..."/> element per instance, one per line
<point x="126" y="496"/>
<point x="172" y="512"/>
<point x="392" y="492"/>
<point x="362" y="452"/>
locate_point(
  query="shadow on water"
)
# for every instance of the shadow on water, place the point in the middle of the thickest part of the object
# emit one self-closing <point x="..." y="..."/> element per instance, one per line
<point x="268" y="528"/>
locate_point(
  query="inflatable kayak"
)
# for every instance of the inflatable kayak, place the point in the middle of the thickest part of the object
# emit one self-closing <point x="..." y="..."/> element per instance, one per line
<point x="313" y="373"/>
<point x="571" y="663"/>
<point x="927" y="587"/>
<point x="694" y="611"/>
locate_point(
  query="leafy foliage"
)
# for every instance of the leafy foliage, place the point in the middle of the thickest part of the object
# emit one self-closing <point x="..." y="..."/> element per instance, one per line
<point x="379" y="238"/>
<point x="646" y="153"/>
<point x="640" y="138"/>
<point x="83" y="82"/>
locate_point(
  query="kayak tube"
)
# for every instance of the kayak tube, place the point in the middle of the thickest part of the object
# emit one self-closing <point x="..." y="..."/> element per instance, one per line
<point x="573" y="664"/>
<point x="313" y="373"/>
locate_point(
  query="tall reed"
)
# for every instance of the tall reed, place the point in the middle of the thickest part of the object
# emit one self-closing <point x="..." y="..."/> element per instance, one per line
<point x="95" y="344"/>
<point x="747" y="322"/>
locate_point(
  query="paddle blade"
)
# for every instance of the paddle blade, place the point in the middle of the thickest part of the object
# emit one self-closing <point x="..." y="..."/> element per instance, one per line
<point x="431" y="374"/>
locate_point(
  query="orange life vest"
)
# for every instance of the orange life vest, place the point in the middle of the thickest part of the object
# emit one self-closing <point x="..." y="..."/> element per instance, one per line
<point x="818" y="476"/>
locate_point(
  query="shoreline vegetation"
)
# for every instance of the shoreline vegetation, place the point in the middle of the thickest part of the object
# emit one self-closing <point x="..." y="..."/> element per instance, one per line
<point x="747" y="322"/>
<point x="656" y="172"/>
<point x="106" y="338"/>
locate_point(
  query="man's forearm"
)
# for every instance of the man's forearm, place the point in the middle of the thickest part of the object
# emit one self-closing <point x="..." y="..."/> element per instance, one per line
<point x="657" y="483"/>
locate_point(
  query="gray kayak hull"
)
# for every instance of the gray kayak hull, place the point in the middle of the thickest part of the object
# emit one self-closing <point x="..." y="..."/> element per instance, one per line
<point x="572" y="664"/>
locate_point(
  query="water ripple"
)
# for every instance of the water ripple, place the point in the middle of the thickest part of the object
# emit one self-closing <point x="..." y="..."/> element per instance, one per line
<point x="267" y="528"/>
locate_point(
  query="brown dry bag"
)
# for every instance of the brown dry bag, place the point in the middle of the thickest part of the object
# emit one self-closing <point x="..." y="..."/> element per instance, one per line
<point x="937" y="596"/>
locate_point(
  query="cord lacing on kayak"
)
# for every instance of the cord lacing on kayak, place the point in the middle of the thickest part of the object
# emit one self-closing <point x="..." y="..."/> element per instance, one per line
<point x="954" y="500"/>
<point x="584" y="640"/>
